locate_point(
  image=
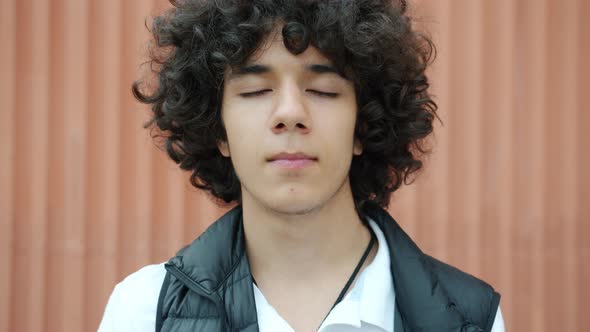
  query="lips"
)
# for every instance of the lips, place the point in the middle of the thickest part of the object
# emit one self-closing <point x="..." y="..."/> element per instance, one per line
<point x="292" y="160"/>
<point x="292" y="156"/>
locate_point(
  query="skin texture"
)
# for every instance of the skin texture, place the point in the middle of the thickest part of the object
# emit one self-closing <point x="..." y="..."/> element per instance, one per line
<point x="303" y="235"/>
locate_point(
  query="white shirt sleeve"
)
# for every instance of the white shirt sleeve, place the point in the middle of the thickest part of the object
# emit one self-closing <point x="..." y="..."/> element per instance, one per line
<point x="133" y="303"/>
<point x="498" y="325"/>
<point x="111" y="313"/>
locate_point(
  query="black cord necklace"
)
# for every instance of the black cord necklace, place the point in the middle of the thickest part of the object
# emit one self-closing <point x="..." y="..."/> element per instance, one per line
<point x="356" y="269"/>
<point x="354" y="273"/>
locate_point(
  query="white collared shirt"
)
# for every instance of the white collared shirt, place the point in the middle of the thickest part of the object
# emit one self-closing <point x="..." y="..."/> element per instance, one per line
<point x="368" y="307"/>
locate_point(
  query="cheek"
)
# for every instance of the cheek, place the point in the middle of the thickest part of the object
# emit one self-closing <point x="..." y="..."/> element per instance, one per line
<point x="243" y="142"/>
<point x="238" y="128"/>
<point x="338" y="128"/>
<point x="337" y="142"/>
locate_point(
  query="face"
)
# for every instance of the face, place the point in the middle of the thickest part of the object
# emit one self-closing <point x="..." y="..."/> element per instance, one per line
<point x="291" y="104"/>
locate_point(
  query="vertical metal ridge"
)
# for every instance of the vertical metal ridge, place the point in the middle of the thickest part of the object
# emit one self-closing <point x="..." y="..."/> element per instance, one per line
<point x="582" y="190"/>
<point x="435" y="186"/>
<point x="22" y="185"/>
<point x="39" y="188"/>
<point x="554" y="149"/>
<point x="569" y="208"/>
<point x="533" y="154"/>
<point x="146" y="194"/>
<point x="497" y="107"/>
<point x="113" y="17"/>
<point x="75" y="161"/>
<point x="471" y="181"/>
<point x="464" y="133"/>
<point x="7" y="157"/>
<point x="56" y="259"/>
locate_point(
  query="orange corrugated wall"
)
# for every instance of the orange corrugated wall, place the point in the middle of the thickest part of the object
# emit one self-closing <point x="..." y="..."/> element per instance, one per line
<point x="86" y="198"/>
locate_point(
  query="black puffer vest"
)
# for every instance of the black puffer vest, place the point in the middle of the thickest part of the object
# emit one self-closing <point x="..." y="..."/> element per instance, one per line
<point x="208" y="285"/>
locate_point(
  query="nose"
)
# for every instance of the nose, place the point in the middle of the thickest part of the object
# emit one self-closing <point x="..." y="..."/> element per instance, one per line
<point x="291" y="113"/>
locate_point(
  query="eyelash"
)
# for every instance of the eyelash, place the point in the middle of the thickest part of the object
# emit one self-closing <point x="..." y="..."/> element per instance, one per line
<point x="258" y="93"/>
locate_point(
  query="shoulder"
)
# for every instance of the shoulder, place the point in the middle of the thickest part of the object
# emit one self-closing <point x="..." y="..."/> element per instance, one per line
<point x="472" y="297"/>
<point x="424" y="284"/>
<point x="456" y="278"/>
<point x="143" y="279"/>
<point x="132" y="304"/>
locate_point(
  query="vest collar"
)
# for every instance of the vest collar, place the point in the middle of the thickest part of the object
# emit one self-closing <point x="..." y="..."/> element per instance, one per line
<point x="212" y="258"/>
<point x="420" y="297"/>
<point x="214" y="255"/>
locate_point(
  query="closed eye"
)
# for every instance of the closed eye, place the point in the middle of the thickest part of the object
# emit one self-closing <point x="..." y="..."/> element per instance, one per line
<point x="261" y="92"/>
<point x="253" y="94"/>
<point x="325" y="94"/>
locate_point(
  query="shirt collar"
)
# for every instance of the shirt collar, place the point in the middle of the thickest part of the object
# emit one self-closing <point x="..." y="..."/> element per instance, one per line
<point x="372" y="299"/>
<point x="378" y="296"/>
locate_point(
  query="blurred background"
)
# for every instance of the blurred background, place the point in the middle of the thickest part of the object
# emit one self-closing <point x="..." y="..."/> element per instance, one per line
<point x="86" y="197"/>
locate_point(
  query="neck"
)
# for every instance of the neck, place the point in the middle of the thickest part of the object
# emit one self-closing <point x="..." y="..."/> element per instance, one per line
<point x="304" y="247"/>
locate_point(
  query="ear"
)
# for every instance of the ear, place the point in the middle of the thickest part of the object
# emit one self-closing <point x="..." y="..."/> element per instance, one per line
<point x="357" y="147"/>
<point x="223" y="148"/>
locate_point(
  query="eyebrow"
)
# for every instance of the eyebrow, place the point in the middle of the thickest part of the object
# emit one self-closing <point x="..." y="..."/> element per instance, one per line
<point x="257" y="69"/>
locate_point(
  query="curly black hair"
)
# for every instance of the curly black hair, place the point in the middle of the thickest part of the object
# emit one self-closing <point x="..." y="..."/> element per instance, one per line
<point x="370" y="42"/>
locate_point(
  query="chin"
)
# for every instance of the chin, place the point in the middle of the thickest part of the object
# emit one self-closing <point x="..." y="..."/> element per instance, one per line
<point x="291" y="199"/>
<point x="294" y="204"/>
<point x="294" y="210"/>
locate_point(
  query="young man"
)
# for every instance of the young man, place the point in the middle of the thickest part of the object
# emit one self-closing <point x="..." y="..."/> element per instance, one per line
<point x="308" y="114"/>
